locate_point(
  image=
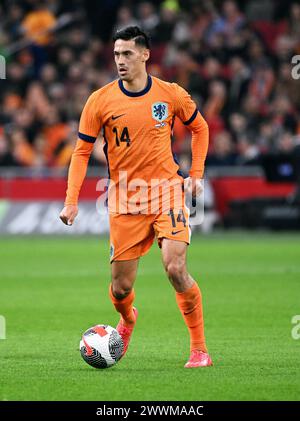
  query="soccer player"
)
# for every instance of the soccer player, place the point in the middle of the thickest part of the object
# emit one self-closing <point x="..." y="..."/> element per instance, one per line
<point x="136" y="113"/>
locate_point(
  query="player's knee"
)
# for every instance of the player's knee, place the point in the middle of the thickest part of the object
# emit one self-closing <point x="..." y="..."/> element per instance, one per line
<point x="120" y="294"/>
<point x="120" y="290"/>
<point x="175" y="269"/>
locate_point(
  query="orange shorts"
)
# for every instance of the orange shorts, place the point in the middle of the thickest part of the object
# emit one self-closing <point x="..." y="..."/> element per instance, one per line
<point x="131" y="236"/>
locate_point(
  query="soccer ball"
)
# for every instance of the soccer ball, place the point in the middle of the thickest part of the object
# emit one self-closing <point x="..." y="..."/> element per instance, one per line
<point x="101" y="346"/>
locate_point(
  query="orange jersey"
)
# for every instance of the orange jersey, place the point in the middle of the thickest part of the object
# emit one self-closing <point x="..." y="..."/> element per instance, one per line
<point x="137" y="128"/>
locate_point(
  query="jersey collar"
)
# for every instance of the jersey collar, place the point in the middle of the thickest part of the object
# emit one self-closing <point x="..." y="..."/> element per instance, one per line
<point x="135" y="94"/>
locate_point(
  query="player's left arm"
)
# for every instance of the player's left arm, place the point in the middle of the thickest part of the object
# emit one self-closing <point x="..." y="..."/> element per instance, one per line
<point x="188" y="113"/>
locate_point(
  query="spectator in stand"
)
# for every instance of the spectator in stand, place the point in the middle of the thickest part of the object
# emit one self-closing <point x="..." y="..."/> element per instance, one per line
<point x="148" y="19"/>
<point x="7" y="158"/>
<point x="215" y="109"/>
<point x="165" y="28"/>
<point x="223" y="151"/>
<point x="38" y="24"/>
<point x="262" y="82"/>
<point x="286" y="85"/>
<point x="247" y="152"/>
<point x="37" y="27"/>
<point x="286" y="143"/>
<point x="267" y="136"/>
<point x="124" y="18"/>
<point x="240" y="76"/>
<point x="293" y="21"/>
<point x="238" y="125"/>
<point x="230" y="21"/>
<point x="283" y="115"/>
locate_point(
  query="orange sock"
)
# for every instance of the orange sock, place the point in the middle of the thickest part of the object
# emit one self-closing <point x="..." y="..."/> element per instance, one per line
<point x="124" y="306"/>
<point x="190" y="305"/>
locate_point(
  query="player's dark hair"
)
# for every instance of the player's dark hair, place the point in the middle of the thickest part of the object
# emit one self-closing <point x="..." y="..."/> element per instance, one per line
<point x="133" y="32"/>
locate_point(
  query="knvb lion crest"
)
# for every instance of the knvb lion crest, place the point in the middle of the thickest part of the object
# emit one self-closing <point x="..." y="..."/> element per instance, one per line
<point x="159" y="111"/>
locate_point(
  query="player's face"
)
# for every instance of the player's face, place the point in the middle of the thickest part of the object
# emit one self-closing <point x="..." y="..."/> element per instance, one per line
<point x="130" y="59"/>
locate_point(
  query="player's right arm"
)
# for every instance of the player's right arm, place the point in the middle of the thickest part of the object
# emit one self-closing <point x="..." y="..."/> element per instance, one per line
<point x="89" y="128"/>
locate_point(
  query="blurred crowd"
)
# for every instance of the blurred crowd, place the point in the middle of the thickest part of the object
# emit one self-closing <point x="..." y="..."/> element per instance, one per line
<point x="234" y="57"/>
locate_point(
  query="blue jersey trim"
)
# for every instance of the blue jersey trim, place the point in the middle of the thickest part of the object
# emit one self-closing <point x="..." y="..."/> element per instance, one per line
<point x="135" y="94"/>
<point x="85" y="137"/>
<point x="190" y="120"/>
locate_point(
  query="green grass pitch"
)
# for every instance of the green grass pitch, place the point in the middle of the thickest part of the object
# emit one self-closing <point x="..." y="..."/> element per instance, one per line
<point x="52" y="290"/>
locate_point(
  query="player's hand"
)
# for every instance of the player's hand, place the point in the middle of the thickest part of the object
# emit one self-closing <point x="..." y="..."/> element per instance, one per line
<point x="68" y="214"/>
<point x="193" y="186"/>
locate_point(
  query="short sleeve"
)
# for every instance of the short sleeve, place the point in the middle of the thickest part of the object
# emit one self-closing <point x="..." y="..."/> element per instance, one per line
<point x="90" y="120"/>
<point x="185" y="107"/>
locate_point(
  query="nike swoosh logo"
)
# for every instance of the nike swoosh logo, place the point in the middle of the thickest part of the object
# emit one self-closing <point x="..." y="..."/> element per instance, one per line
<point x="176" y="232"/>
<point x="114" y="117"/>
